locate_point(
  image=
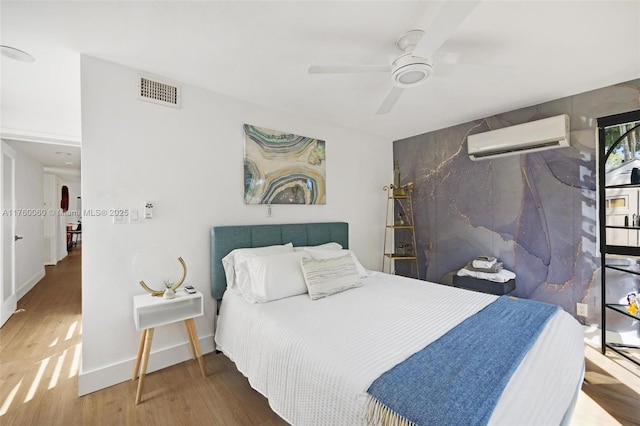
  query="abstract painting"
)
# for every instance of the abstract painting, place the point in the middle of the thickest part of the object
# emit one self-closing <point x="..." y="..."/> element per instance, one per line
<point x="283" y="168"/>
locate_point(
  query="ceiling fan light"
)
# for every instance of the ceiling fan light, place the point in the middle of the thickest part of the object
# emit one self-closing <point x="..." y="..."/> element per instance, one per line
<point x="409" y="71"/>
<point x="411" y="77"/>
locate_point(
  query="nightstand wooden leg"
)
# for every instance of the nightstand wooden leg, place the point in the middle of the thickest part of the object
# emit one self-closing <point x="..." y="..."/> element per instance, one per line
<point x="136" y="370"/>
<point x="193" y="336"/>
<point x="145" y="360"/>
<point x="193" y="351"/>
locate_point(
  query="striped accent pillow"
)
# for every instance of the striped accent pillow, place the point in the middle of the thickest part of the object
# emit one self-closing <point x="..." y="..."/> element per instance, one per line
<point x="325" y="277"/>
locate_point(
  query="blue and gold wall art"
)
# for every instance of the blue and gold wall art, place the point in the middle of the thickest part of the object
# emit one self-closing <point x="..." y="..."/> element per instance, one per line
<point x="283" y="168"/>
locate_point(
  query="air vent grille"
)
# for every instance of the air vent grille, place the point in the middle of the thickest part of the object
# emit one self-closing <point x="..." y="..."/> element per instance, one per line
<point x="159" y="92"/>
<point x="517" y="149"/>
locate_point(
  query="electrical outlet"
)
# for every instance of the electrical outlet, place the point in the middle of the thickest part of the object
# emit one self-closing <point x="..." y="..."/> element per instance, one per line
<point x="119" y="219"/>
<point x="582" y="309"/>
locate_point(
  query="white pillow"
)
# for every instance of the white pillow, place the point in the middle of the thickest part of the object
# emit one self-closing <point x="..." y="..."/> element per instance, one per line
<point x="325" y="277"/>
<point x="233" y="260"/>
<point x="265" y="278"/>
<point x="328" y="254"/>
<point x="325" y="246"/>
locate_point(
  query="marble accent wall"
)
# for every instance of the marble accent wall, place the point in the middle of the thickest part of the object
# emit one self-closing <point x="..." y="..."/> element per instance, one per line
<point x="535" y="212"/>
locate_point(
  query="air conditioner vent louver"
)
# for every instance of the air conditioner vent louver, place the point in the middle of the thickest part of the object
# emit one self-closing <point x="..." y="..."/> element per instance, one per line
<point x="159" y="92"/>
<point x="521" y="149"/>
<point x="534" y="136"/>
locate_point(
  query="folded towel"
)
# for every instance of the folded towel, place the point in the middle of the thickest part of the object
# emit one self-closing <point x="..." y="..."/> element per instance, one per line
<point x="486" y="258"/>
<point x="484" y="262"/>
<point x="497" y="267"/>
<point x="500" y="277"/>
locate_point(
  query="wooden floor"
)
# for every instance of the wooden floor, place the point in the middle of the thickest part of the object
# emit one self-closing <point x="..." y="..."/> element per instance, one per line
<point x="614" y="385"/>
<point x="40" y="357"/>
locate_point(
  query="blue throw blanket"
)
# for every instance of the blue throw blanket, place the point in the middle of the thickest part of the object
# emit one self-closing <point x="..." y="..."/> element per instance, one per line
<point x="458" y="379"/>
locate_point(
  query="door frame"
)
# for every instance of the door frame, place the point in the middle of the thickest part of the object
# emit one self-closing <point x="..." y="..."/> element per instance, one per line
<point x="8" y="304"/>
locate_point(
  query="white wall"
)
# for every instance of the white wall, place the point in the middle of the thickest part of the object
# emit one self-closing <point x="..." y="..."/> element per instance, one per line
<point x="29" y="196"/>
<point x="189" y="163"/>
<point x="55" y="234"/>
<point x="50" y="226"/>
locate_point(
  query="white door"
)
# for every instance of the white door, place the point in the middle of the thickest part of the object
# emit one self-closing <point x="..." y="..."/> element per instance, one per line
<point x="8" y="288"/>
<point x="622" y="210"/>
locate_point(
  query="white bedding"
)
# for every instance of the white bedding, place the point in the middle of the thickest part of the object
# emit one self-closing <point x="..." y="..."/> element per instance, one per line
<point x="314" y="360"/>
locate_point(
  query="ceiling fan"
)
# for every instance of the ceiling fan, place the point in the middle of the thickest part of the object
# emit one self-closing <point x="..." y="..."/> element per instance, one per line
<point x="414" y="66"/>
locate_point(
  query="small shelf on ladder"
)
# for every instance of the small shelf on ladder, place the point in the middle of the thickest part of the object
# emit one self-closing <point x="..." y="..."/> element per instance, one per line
<point x="399" y="231"/>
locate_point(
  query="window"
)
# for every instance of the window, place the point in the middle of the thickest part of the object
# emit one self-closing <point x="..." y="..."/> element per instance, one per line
<point x="623" y="140"/>
<point x="617" y="203"/>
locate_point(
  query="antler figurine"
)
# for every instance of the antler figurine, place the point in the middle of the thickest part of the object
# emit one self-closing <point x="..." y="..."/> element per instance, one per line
<point x="156" y="293"/>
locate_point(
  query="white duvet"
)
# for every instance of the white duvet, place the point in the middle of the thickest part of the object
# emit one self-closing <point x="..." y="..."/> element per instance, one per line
<point x="314" y="360"/>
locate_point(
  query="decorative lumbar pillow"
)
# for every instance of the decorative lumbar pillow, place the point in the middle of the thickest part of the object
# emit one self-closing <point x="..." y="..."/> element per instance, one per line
<point x="234" y="259"/>
<point x="325" y="277"/>
<point x="262" y="279"/>
<point x="325" y="246"/>
<point x="328" y="254"/>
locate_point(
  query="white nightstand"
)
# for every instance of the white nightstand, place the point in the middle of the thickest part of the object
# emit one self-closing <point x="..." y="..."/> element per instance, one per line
<point x="150" y="312"/>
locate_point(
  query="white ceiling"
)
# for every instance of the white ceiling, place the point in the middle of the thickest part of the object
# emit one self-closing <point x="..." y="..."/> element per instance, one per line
<point x="61" y="160"/>
<point x="532" y="52"/>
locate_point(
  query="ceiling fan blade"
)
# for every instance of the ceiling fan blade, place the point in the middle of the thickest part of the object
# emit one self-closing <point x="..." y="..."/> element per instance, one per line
<point x="442" y="25"/>
<point x="444" y="70"/>
<point x="390" y="100"/>
<point x="348" y="69"/>
<point x="484" y="71"/>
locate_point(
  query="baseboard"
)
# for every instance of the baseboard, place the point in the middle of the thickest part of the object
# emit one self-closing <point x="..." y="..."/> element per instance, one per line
<point x="24" y="288"/>
<point x="95" y="380"/>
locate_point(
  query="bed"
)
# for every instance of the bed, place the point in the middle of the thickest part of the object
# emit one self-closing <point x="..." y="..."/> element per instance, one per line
<point x="320" y="362"/>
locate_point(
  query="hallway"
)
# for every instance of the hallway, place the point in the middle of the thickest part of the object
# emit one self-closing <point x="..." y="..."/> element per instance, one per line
<point x="41" y="350"/>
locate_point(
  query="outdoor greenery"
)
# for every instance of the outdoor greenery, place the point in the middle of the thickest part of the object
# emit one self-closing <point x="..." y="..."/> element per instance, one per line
<point x="627" y="149"/>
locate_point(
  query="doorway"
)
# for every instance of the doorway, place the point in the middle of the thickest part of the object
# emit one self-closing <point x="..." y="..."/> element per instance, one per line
<point x="619" y="185"/>
<point x="32" y="175"/>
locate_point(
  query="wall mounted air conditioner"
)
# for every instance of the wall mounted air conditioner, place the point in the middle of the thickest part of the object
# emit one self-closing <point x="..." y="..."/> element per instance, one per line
<point x="540" y="135"/>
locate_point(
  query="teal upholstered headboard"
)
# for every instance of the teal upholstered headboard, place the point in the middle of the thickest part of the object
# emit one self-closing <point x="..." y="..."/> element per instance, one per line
<point x="227" y="238"/>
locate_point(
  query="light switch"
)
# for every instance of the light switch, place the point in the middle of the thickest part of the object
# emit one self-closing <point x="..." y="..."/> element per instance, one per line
<point x="134" y="216"/>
